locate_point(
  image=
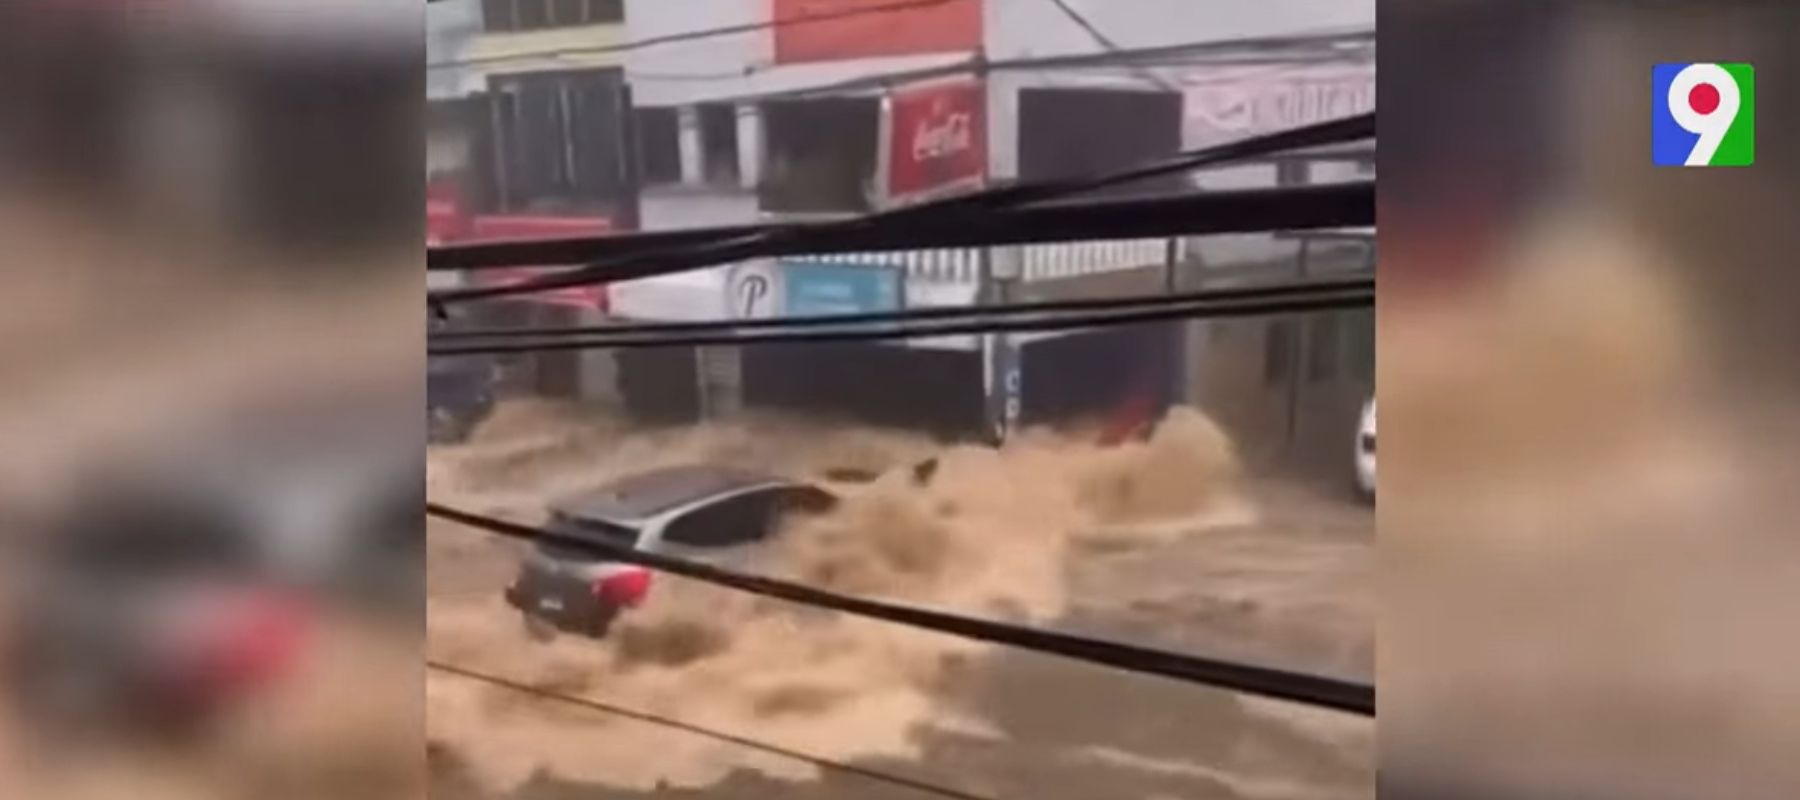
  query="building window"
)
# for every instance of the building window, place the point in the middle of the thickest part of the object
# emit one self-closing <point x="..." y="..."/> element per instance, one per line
<point x="821" y="154"/>
<point x="719" y="144"/>
<point x="738" y="520"/>
<point x="530" y="15"/>
<point x="496" y="15"/>
<point x="659" y="145"/>
<point x="562" y="142"/>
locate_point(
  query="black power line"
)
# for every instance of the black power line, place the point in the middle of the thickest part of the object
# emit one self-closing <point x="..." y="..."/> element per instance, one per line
<point x="1358" y="294"/>
<point x="688" y="727"/>
<point x="1326" y="692"/>
<point x="628" y="256"/>
<point x="1106" y="43"/>
<point x="1276" y="291"/>
<point x="973" y="205"/>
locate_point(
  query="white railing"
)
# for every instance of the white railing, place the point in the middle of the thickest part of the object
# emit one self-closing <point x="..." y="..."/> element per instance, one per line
<point x="1044" y="262"/>
<point x="1038" y="262"/>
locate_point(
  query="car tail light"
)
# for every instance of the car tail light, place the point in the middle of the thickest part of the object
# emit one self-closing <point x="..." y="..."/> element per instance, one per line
<point x="255" y="642"/>
<point x="627" y="588"/>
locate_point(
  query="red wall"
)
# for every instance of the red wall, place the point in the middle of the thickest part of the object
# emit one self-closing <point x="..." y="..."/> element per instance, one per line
<point x="952" y="26"/>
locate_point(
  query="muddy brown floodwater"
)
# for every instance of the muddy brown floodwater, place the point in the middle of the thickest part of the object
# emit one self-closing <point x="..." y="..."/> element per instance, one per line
<point x="1163" y="542"/>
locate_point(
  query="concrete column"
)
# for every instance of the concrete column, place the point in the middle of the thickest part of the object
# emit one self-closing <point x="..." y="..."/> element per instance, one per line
<point x="1003" y="381"/>
<point x="1002" y="268"/>
<point x="721" y="380"/>
<point x="599" y="379"/>
<point x="750" y="145"/>
<point x="688" y="127"/>
<point x="1003" y="373"/>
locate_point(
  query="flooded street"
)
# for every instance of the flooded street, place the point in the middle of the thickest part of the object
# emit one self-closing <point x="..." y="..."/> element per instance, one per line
<point x="1159" y="544"/>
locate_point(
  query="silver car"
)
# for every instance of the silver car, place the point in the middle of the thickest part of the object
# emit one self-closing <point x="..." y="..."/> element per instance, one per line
<point x="701" y="513"/>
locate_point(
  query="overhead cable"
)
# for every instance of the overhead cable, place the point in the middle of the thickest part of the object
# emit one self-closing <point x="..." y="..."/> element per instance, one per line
<point x="925" y="323"/>
<point x="1106" y="43"/>
<point x="1278" y="290"/>
<point x="1336" y="205"/>
<point x="974" y="204"/>
<point x="1315" y="690"/>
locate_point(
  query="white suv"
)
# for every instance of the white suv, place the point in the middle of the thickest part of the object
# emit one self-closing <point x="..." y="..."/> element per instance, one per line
<point x="700" y="513"/>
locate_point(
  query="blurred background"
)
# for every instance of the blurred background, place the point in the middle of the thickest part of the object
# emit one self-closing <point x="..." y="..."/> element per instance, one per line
<point x="1589" y="368"/>
<point x="1181" y="484"/>
<point x="216" y="579"/>
<point x="211" y="353"/>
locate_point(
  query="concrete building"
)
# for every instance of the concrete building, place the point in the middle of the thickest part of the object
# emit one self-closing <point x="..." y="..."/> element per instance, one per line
<point x="529" y="133"/>
<point x="861" y="109"/>
<point x="786" y="119"/>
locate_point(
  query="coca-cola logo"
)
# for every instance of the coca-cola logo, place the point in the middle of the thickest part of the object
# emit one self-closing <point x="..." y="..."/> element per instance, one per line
<point x="936" y="140"/>
<point x="943" y="136"/>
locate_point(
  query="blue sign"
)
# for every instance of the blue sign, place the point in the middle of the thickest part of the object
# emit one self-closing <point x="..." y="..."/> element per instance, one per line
<point x="816" y="289"/>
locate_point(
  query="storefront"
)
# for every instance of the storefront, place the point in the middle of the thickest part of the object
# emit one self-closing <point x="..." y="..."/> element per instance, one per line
<point x="850" y="155"/>
<point x="898" y="383"/>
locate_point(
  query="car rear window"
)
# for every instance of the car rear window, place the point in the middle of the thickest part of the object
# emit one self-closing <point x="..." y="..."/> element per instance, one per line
<point x="593" y="530"/>
<point x="724" y="523"/>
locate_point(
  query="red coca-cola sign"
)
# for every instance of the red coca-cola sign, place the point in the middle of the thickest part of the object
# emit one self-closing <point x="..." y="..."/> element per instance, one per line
<point x="936" y="139"/>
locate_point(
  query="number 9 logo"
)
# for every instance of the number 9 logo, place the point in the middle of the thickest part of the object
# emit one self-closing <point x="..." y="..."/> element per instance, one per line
<point x="1704" y="99"/>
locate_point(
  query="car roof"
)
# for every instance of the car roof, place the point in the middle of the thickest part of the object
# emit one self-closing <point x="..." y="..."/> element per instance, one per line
<point x="647" y="494"/>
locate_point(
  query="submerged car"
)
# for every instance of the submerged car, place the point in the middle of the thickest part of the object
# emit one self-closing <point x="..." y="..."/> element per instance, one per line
<point x="707" y="514"/>
<point x="146" y="612"/>
<point x="161" y="595"/>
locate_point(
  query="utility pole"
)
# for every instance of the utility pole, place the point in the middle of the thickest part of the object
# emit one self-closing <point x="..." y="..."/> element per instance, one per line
<point x="1182" y="371"/>
<point x="997" y="270"/>
<point x="1003" y="373"/>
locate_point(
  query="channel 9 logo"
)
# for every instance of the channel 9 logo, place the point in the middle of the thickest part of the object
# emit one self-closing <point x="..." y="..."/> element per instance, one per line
<point x="1702" y="115"/>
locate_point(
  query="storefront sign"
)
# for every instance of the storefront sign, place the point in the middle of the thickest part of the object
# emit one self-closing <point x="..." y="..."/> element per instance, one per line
<point x="1221" y="110"/>
<point x="851" y="29"/>
<point x="935" y="140"/>
<point x="815" y="289"/>
<point x="753" y="291"/>
<point x="692" y="296"/>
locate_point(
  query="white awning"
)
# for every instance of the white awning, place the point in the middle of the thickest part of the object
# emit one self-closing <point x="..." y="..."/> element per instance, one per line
<point x="683" y="297"/>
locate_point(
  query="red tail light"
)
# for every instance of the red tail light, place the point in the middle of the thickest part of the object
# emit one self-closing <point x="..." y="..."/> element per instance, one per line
<point x="626" y="588"/>
<point x="254" y="645"/>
